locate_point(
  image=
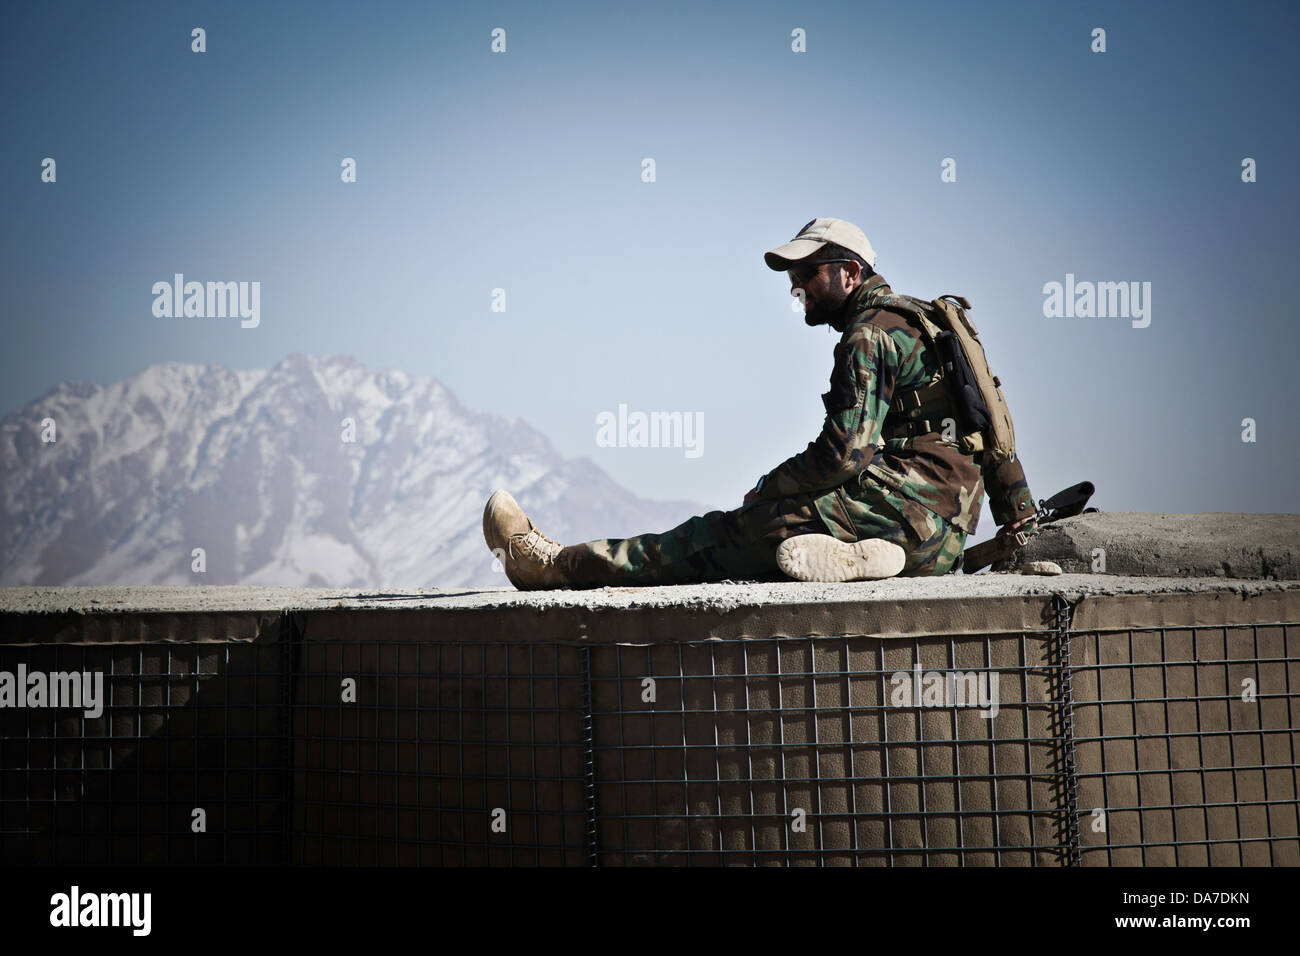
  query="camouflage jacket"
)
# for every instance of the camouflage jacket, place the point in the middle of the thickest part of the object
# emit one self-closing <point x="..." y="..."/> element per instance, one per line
<point x="880" y="354"/>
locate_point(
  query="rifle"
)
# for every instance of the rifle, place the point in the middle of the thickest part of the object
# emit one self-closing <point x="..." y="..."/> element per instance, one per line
<point x="1010" y="539"/>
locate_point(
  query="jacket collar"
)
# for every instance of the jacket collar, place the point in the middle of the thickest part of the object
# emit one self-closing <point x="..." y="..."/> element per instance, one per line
<point x="858" y="301"/>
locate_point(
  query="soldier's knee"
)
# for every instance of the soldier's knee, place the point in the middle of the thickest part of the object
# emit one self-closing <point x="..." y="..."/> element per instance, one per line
<point x="936" y="556"/>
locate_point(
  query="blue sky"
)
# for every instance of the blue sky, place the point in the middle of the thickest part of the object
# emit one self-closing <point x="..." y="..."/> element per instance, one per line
<point x="522" y="170"/>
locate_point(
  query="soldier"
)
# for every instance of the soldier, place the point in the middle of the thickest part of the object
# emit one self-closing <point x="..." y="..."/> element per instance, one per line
<point x="879" y="492"/>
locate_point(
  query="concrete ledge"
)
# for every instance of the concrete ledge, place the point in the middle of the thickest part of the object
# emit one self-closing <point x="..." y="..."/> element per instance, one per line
<point x="1215" y="544"/>
<point x="950" y="605"/>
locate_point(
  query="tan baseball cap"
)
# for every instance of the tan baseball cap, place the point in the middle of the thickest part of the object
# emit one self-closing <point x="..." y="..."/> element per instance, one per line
<point x="817" y="234"/>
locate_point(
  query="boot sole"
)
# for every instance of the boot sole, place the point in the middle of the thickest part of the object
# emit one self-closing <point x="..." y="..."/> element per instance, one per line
<point x="819" y="557"/>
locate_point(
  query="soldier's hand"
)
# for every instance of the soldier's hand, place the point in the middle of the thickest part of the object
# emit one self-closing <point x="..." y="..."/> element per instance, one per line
<point x="1027" y="524"/>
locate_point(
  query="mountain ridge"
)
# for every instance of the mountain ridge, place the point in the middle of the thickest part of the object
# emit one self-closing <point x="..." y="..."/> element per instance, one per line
<point x="316" y="471"/>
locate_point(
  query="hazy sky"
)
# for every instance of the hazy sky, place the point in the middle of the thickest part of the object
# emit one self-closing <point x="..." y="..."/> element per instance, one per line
<point x="522" y="171"/>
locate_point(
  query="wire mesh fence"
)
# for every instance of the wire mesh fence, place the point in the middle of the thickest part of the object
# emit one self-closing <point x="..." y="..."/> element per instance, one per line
<point x="1187" y="745"/>
<point x="187" y="736"/>
<point x="1039" y="747"/>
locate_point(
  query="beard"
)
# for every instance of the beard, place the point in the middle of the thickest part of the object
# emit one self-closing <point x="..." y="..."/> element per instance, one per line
<point x="825" y="308"/>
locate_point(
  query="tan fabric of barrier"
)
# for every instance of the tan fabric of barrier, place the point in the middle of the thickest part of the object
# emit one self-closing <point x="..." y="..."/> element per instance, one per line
<point x="459" y="737"/>
<point x="720" y="766"/>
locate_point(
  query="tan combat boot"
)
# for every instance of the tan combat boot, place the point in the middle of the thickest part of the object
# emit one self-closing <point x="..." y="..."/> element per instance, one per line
<point x="528" y="556"/>
<point x="820" y="557"/>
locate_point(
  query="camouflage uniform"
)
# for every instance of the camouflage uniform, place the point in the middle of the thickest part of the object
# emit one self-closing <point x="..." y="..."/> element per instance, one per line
<point x="863" y="477"/>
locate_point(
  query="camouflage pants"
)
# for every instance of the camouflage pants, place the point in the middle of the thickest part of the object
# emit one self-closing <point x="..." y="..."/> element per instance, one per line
<point x="741" y="544"/>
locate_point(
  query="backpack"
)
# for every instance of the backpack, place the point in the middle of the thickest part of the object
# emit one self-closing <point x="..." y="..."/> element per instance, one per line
<point x="981" y="410"/>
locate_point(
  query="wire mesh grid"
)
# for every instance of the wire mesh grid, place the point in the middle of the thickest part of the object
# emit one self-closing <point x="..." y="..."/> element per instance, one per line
<point x="181" y="763"/>
<point x="1187" y="745"/>
<point x="440" y="754"/>
<point x="827" y="751"/>
<point x="1038" y="747"/>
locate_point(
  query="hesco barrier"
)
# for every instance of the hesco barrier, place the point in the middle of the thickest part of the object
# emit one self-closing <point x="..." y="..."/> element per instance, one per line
<point x="1039" y="730"/>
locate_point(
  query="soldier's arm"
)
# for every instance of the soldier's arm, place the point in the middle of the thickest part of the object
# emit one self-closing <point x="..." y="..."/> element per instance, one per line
<point x="862" y="386"/>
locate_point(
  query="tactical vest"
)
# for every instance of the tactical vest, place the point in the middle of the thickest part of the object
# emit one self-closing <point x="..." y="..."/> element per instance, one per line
<point x="965" y="391"/>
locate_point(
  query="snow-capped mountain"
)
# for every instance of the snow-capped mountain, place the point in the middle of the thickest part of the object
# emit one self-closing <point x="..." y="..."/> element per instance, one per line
<point x="318" y="471"/>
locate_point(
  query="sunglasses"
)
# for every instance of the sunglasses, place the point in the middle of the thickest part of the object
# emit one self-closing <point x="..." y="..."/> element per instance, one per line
<point x="802" y="273"/>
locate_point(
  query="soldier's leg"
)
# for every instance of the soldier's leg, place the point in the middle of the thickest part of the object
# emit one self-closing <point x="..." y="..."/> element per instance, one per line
<point x="937" y="554"/>
<point x="717" y="546"/>
<point x="870" y="510"/>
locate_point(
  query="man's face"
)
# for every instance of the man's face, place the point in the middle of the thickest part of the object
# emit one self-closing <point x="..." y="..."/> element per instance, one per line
<point x="825" y="291"/>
